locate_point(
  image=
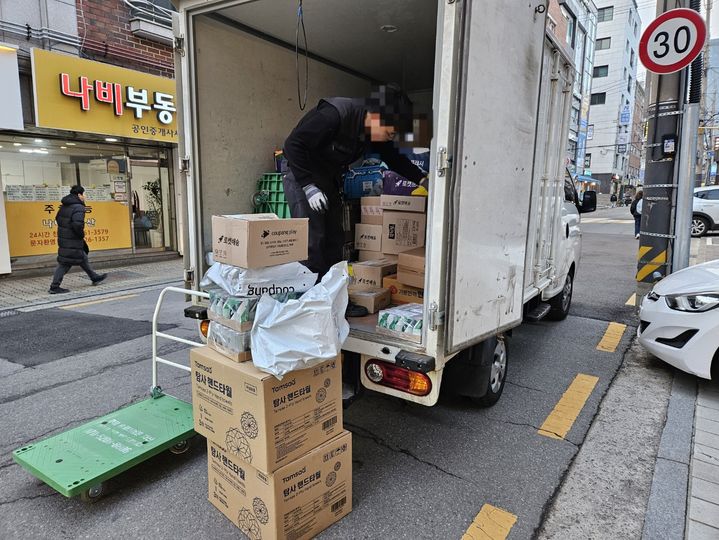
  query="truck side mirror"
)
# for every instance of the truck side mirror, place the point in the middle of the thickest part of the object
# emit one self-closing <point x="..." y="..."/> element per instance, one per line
<point x="589" y="202"/>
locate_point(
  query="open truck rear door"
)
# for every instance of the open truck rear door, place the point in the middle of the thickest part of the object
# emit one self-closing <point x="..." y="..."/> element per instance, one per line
<point x="492" y="169"/>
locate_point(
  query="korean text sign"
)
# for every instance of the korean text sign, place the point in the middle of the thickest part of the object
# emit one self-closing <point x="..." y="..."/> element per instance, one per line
<point x="75" y="94"/>
<point x="32" y="229"/>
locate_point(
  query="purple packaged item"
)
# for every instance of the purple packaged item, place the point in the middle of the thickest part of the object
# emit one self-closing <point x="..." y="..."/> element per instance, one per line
<point x="395" y="184"/>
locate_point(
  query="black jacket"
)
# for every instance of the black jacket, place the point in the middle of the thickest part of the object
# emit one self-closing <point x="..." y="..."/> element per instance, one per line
<point x="633" y="208"/>
<point x="71" y="230"/>
<point x="331" y="137"/>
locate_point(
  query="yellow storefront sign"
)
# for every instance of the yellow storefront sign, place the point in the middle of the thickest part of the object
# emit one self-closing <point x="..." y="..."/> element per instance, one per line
<point x="81" y="95"/>
<point x="33" y="229"/>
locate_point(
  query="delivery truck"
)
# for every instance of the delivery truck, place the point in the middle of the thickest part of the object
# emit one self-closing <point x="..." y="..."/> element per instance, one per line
<point x="503" y="234"/>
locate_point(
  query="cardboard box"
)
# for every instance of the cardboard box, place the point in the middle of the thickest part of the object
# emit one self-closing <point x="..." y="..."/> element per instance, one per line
<point x="259" y="419"/>
<point x="410" y="268"/>
<point x="368" y="237"/>
<point x="297" y="501"/>
<point x="402" y="231"/>
<point x="365" y="255"/>
<point x="371" y="210"/>
<point x="369" y="274"/>
<point x="372" y="299"/>
<point x="403" y="203"/>
<point x="401" y="293"/>
<point x="257" y="240"/>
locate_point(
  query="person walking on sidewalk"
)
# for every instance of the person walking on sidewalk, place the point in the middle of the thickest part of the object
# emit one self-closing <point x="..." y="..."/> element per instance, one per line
<point x="636" y="210"/>
<point x="72" y="248"/>
<point x="613" y="200"/>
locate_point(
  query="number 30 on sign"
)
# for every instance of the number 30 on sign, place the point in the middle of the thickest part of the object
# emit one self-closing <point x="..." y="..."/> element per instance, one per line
<point x="672" y="41"/>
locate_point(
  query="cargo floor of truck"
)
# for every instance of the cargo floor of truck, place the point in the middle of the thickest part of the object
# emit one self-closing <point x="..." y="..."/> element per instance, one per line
<point x="78" y="460"/>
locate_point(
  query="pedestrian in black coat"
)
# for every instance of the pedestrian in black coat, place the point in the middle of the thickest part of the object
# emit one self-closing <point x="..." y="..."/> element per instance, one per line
<point x="72" y="248"/>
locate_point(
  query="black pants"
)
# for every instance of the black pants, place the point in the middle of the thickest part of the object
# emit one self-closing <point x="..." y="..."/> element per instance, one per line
<point x="326" y="236"/>
<point x="63" y="269"/>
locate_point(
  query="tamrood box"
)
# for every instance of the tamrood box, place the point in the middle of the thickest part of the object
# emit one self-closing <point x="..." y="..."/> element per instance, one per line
<point x="297" y="501"/>
<point x="259" y="419"/>
<point x="258" y="240"/>
<point x="371" y="210"/>
<point x="372" y="299"/>
<point x="401" y="293"/>
<point x="403" y="203"/>
<point x="369" y="274"/>
<point x="368" y="237"/>
<point x="402" y="231"/>
<point x="410" y="268"/>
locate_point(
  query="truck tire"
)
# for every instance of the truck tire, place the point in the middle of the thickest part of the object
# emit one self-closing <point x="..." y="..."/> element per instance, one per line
<point x="563" y="301"/>
<point x="479" y="372"/>
<point x="499" y="349"/>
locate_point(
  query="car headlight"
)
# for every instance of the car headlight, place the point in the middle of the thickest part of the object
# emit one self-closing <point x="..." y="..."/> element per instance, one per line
<point x="693" y="302"/>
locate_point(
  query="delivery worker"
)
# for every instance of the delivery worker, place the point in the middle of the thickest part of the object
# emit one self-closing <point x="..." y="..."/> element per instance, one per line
<point x="328" y="139"/>
<point x="72" y="248"/>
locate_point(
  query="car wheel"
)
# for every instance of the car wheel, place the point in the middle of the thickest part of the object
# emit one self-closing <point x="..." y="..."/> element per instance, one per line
<point x="563" y="301"/>
<point x="700" y="226"/>
<point x="497" y="373"/>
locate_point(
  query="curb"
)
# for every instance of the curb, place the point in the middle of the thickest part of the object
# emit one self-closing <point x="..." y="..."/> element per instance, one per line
<point x="667" y="507"/>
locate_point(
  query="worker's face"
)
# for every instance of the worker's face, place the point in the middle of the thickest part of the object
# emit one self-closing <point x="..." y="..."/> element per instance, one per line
<point x="376" y="128"/>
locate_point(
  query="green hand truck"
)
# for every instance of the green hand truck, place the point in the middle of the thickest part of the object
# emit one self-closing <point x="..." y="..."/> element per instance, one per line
<point x="79" y="460"/>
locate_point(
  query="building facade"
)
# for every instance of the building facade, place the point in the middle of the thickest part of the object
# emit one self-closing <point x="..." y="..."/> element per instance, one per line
<point x="613" y="93"/>
<point x="88" y="99"/>
<point x="573" y="23"/>
<point x="709" y="142"/>
<point x="637" y="137"/>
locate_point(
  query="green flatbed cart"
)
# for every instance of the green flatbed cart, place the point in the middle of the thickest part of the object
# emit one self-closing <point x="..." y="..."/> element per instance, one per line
<point x="79" y="460"/>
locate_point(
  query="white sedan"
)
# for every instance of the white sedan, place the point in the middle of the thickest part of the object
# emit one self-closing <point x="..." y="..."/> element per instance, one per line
<point x="679" y="320"/>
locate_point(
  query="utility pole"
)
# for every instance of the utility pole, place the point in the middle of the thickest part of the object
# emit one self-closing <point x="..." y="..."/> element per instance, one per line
<point x="663" y="114"/>
<point x="688" y="161"/>
<point x="665" y="237"/>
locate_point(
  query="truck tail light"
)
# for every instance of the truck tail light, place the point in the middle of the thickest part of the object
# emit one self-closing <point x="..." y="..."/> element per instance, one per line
<point x="399" y="378"/>
<point x="205" y="327"/>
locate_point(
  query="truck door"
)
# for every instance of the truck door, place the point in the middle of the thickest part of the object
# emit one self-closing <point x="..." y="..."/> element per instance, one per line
<point x="492" y="168"/>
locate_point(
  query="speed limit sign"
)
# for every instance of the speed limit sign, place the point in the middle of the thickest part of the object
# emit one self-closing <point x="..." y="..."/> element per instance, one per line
<point x="672" y="41"/>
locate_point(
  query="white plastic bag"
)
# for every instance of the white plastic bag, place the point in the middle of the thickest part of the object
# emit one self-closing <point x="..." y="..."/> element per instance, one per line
<point x="301" y="333"/>
<point x="254" y="282"/>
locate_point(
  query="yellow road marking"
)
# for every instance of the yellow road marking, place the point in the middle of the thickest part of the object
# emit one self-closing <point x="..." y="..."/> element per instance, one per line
<point x="567" y="409"/>
<point x="93" y="302"/>
<point x="632" y="300"/>
<point x="652" y="265"/>
<point x="491" y="523"/>
<point x="643" y="250"/>
<point x="612" y="337"/>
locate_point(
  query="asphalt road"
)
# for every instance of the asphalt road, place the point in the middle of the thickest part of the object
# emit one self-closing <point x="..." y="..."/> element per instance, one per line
<point x="418" y="472"/>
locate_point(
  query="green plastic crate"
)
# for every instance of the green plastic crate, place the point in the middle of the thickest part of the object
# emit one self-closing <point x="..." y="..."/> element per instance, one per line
<point x="270" y="196"/>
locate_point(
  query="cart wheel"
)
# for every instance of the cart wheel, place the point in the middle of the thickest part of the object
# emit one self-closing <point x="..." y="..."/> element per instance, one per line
<point x="180" y="447"/>
<point x="94" y="493"/>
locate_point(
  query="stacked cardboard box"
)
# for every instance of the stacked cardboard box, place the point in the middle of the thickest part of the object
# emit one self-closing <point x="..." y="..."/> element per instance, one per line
<point x="249" y="241"/>
<point x="391" y="243"/>
<point x="279" y="462"/>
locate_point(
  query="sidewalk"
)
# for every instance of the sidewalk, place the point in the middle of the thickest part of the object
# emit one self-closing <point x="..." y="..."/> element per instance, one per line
<point x="27" y="292"/>
<point x="703" y="503"/>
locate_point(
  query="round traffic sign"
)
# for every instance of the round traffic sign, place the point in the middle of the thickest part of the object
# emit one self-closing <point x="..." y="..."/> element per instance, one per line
<point x="672" y="41"/>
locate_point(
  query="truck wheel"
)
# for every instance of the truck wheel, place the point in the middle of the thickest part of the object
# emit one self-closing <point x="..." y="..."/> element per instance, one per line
<point x="497" y="372"/>
<point x="700" y="226"/>
<point x="563" y="301"/>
